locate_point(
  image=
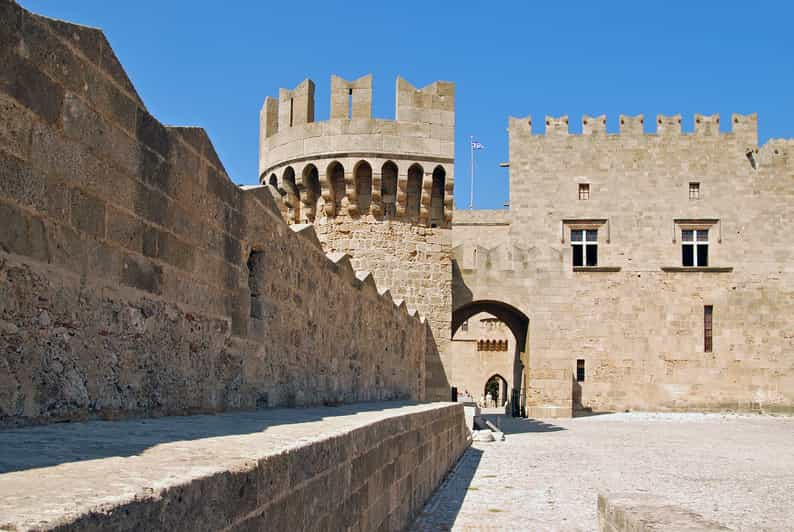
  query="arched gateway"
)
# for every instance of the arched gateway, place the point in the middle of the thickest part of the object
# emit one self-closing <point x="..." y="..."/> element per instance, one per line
<point x="518" y="324"/>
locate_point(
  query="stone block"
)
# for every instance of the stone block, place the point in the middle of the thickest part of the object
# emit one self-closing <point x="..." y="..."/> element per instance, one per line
<point x="87" y="213"/>
<point x="30" y="87"/>
<point x="22" y="233"/>
<point x="141" y="273"/>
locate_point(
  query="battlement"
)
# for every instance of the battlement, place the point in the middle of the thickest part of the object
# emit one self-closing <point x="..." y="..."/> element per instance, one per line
<point x="352" y="100"/>
<point x="744" y="126"/>
<point x="352" y="164"/>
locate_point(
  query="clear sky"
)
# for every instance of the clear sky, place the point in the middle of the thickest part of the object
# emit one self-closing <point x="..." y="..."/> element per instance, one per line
<point x="212" y="63"/>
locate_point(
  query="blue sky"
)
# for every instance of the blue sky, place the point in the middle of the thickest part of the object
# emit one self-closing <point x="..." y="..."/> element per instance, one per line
<point x="197" y="63"/>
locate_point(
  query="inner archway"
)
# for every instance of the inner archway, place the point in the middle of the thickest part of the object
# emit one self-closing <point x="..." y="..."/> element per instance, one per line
<point x="495" y="392"/>
<point x="496" y="313"/>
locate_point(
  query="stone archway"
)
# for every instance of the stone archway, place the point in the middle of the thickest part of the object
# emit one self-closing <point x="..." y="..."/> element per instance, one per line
<point x="517" y="322"/>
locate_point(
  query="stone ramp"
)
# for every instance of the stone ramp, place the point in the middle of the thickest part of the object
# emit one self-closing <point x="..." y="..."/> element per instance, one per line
<point x="366" y="465"/>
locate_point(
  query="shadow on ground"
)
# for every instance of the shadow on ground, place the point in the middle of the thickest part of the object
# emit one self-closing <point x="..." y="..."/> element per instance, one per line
<point x="449" y="495"/>
<point x="518" y="425"/>
<point x="50" y="445"/>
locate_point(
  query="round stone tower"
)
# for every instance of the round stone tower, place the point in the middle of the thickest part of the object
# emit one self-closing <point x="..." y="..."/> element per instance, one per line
<point x="380" y="190"/>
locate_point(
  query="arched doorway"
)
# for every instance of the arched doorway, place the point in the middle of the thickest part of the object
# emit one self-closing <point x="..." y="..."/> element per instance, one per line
<point x="517" y="322"/>
<point x="495" y="393"/>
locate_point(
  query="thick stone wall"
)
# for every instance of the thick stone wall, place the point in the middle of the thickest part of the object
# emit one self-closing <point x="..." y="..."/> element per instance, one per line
<point x="638" y="319"/>
<point x="415" y="263"/>
<point x="368" y="467"/>
<point x="137" y="279"/>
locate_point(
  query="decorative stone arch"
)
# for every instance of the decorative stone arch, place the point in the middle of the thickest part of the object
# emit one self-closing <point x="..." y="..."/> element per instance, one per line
<point x="362" y="172"/>
<point x="291" y="194"/>
<point x="333" y="188"/>
<point x="388" y="189"/>
<point x="516" y="321"/>
<point x="437" y="194"/>
<point x="310" y="190"/>
<point x="413" y="191"/>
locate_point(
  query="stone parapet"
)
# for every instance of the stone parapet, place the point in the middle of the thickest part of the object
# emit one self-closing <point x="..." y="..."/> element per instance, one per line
<point x="360" y="467"/>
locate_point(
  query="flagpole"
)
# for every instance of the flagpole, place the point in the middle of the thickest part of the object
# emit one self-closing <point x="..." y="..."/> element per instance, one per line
<point x="471" y="172"/>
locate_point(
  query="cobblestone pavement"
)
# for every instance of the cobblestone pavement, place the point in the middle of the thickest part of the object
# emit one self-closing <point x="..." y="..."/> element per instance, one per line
<point x="735" y="469"/>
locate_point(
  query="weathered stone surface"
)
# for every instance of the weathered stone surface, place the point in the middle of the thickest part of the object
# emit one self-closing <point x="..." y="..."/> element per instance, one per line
<point x="244" y="471"/>
<point x="136" y="243"/>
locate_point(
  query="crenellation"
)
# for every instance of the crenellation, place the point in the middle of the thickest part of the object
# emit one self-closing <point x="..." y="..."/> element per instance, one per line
<point x="707" y="125"/>
<point x="357" y="92"/>
<point x="668" y="125"/>
<point x="556" y="126"/>
<point x="296" y="106"/>
<point x="594" y="125"/>
<point x="631" y="125"/>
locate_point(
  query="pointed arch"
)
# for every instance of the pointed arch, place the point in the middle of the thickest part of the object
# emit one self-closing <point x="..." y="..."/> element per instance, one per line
<point x="335" y="174"/>
<point x="363" y="178"/>
<point x="311" y="191"/>
<point x="292" y="199"/>
<point x="413" y="191"/>
<point x="273" y="180"/>
<point x="437" y="196"/>
<point x="388" y="189"/>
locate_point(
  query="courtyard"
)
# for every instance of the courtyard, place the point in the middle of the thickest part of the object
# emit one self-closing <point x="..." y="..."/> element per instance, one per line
<point x="737" y="470"/>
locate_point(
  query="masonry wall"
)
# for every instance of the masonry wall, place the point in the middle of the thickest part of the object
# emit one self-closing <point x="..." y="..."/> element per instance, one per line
<point x="128" y="285"/>
<point x="638" y="320"/>
<point x="337" y="174"/>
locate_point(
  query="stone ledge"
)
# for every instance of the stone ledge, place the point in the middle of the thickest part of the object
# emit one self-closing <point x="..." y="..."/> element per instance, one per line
<point x="268" y="469"/>
<point x="596" y="269"/>
<point x="646" y="513"/>
<point x="700" y="269"/>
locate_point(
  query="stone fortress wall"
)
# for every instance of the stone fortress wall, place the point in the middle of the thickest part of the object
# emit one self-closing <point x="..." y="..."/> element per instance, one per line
<point x="637" y="320"/>
<point x="380" y="190"/>
<point x="136" y="279"/>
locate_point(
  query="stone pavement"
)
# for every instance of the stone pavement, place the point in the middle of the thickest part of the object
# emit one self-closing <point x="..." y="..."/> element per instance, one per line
<point x="737" y="470"/>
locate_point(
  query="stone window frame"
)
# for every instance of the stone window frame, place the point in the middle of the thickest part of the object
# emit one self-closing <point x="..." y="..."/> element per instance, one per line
<point x="681" y="224"/>
<point x="694" y="190"/>
<point x="584" y="191"/>
<point x="604" y="236"/>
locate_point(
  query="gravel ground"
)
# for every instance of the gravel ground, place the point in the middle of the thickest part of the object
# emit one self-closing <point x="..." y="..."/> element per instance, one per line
<point x="735" y="469"/>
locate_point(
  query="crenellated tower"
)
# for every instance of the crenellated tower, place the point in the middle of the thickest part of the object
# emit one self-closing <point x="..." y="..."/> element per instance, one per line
<point x="380" y="190"/>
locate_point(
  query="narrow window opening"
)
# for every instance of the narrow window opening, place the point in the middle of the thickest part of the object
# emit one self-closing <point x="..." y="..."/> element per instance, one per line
<point x="254" y="264"/>
<point x="349" y="104"/>
<point x="291" y="110"/>
<point x="579" y="370"/>
<point x="464" y="326"/>
<point x="584" y="191"/>
<point x="585" y="247"/>
<point x="708" y="312"/>
<point x="695" y="247"/>
<point x="694" y="191"/>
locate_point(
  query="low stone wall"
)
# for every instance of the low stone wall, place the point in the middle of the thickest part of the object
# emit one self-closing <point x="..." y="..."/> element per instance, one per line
<point x="645" y="513"/>
<point x="137" y="280"/>
<point x="369" y="466"/>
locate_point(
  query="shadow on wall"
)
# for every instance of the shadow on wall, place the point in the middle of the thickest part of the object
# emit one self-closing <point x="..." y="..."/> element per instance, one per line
<point x="461" y="294"/>
<point x="45" y="446"/>
<point x="448" y="497"/>
<point x="579" y="410"/>
<point x="518" y="425"/>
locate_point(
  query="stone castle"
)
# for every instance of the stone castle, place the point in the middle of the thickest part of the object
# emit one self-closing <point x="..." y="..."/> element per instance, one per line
<point x="631" y="271"/>
<point x="626" y="270"/>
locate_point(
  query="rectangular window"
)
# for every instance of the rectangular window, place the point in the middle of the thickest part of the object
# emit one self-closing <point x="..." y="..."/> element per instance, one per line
<point x="585" y="247"/>
<point x="708" y="312"/>
<point x="464" y="326"/>
<point x="580" y="370"/>
<point x="695" y="247"/>
<point x="694" y="191"/>
<point x="584" y="191"/>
